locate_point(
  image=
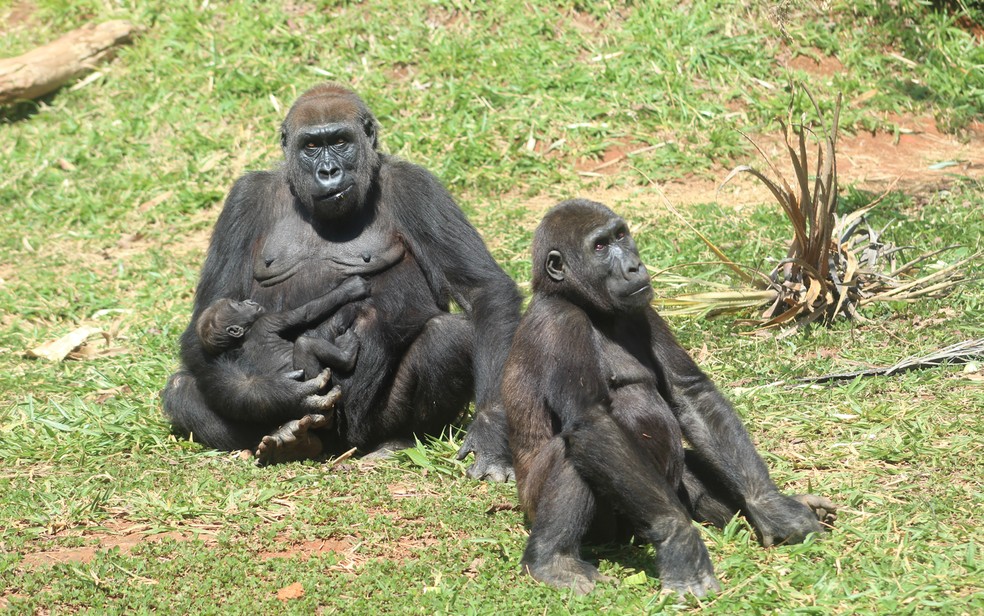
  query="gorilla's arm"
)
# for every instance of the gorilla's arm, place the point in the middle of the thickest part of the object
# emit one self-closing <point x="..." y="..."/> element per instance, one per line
<point x="722" y="443"/>
<point x="250" y="208"/>
<point x="319" y="309"/>
<point x="228" y="268"/>
<point x="458" y="265"/>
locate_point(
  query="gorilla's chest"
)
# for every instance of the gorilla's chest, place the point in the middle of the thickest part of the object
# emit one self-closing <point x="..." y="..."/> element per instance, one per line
<point x="629" y="371"/>
<point x="293" y="263"/>
<point x="638" y="404"/>
<point x="626" y="362"/>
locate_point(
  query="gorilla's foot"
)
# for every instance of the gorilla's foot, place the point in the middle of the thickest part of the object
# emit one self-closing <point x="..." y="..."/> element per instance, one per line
<point x="565" y="572"/>
<point x="321" y="403"/>
<point x="388" y="449"/>
<point x="293" y="440"/>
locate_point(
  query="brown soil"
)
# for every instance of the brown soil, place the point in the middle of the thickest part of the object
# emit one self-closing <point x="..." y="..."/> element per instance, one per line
<point x="304" y="550"/>
<point x="113" y="535"/>
<point x="125" y="537"/>
<point x="20" y="14"/>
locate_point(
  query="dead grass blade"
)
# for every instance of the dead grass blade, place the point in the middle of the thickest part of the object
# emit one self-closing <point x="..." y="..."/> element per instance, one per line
<point x="714" y="302"/>
<point x="959" y="353"/>
<point x="737" y="269"/>
<point x="833" y="266"/>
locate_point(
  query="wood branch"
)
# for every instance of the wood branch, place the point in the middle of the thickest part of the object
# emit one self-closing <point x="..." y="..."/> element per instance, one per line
<point x="51" y="66"/>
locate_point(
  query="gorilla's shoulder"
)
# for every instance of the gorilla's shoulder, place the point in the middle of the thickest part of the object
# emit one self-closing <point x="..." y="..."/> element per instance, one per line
<point x="258" y="187"/>
<point x="554" y="315"/>
<point x="252" y="181"/>
<point x="398" y="172"/>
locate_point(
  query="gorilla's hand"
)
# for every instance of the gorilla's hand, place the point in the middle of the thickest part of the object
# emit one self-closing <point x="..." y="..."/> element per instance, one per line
<point x="778" y="518"/>
<point x="309" y="394"/>
<point x="823" y="507"/>
<point x="486" y="438"/>
<point x="309" y="387"/>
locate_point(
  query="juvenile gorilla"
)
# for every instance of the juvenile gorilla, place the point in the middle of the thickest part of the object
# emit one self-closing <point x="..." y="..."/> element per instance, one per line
<point x="252" y="350"/>
<point x="599" y="396"/>
<point x="338" y="208"/>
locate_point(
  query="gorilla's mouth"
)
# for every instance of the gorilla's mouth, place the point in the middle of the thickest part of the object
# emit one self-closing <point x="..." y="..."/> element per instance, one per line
<point x="641" y="289"/>
<point x="336" y="196"/>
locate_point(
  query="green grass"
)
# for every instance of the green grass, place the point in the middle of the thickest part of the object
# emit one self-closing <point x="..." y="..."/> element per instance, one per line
<point x="108" y="193"/>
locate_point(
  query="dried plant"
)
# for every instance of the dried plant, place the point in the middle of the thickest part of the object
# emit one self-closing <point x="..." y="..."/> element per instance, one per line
<point x="834" y="265"/>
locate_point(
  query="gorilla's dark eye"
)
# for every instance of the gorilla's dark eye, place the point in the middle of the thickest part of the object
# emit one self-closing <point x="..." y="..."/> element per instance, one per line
<point x="310" y="145"/>
<point x="600" y="245"/>
<point x="620" y="235"/>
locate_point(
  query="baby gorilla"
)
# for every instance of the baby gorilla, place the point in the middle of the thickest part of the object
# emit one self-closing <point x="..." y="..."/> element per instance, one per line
<point x="267" y="346"/>
<point x="599" y="396"/>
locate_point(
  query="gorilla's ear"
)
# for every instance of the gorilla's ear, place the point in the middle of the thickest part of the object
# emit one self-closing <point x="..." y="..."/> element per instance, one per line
<point x="283" y="138"/>
<point x="555" y="266"/>
<point x="236" y="331"/>
<point x="369" y="126"/>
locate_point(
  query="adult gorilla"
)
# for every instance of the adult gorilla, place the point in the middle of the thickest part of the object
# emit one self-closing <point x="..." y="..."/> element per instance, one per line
<point x="339" y="208"/>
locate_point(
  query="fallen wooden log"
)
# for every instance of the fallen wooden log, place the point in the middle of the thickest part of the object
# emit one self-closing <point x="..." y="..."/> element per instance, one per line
<point x="51" y="66"/>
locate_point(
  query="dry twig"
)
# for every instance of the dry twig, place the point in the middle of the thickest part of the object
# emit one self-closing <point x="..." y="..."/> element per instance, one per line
<point x="959" y="353"/>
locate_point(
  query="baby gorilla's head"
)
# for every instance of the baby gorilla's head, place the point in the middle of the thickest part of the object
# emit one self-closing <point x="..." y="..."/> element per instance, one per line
<point x="224" y="324"/>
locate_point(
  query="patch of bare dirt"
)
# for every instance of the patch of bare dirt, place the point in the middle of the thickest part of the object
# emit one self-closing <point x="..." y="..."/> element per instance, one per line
<point x="113" y="535"/>
<point x="920" y="155"/>
<point x="811" y="61"/>
<point x="585" y="23"/>
<point x="918" y="159"/>
<point x="591" y="27"/>
<point x="975" y="29"/>
<point x="450" y="19"/>
<point x="344" y="547"/>
<point x="125" y="537"/>
<point x="613" y="156"/>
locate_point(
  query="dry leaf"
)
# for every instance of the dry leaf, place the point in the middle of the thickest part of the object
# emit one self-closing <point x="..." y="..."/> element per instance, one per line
<point x="58" y="350"/>
<point x="159" y="199"/>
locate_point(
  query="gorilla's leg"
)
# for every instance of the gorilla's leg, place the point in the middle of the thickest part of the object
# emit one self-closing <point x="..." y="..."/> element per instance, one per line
<point x="185" y="407"/>
<point x="562" y="514"/>
<point x="312" y="354"/>
<point x="620" y="472"/>
<point x="303" y="438"/>
<point x="706" y="498"/>
<point x="294" y="440"/>
<point x="431" y="387"/>
<point x="435" y="381"/>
